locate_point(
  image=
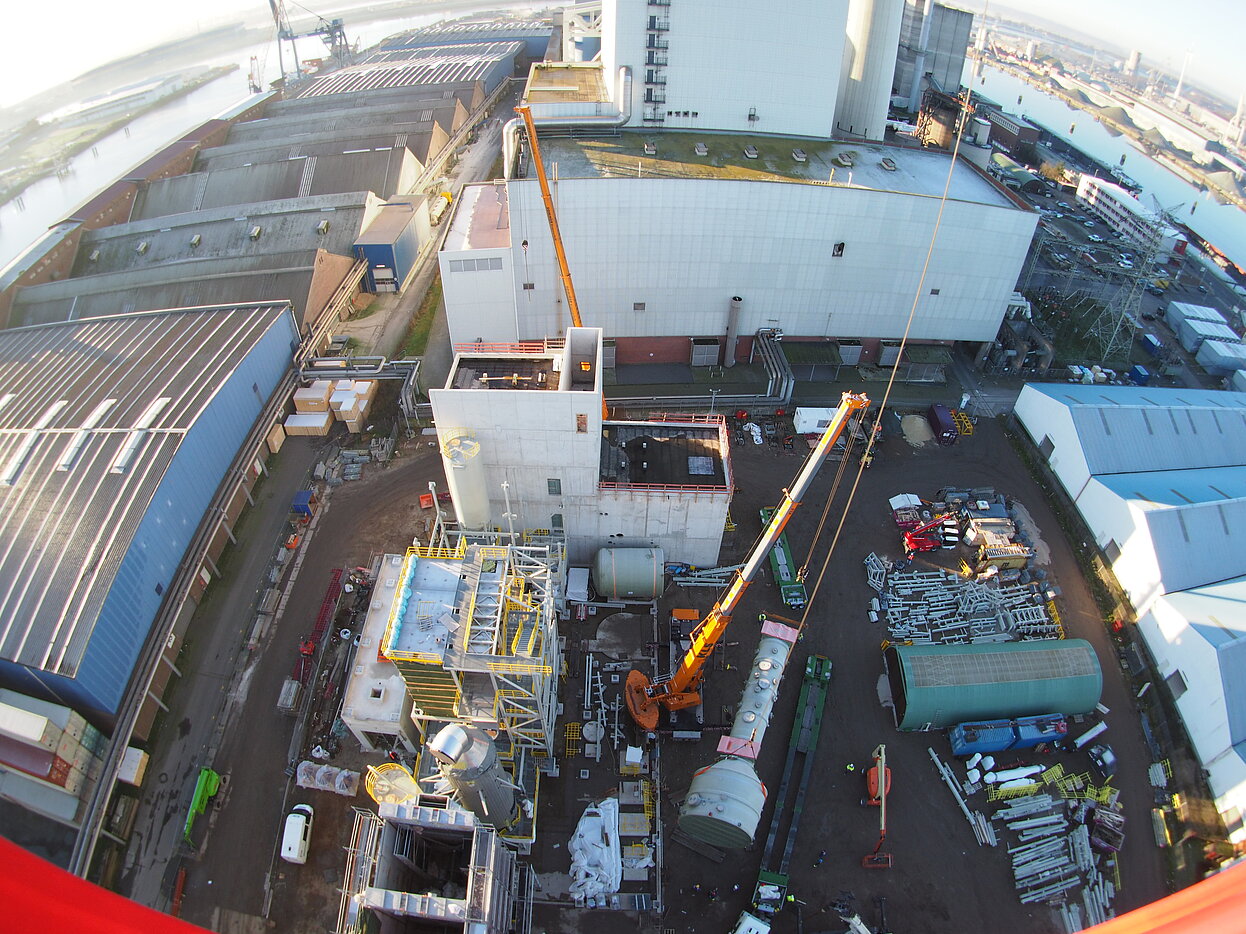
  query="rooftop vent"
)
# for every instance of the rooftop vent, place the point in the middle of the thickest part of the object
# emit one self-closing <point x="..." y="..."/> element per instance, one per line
<point x="322" y="227"/>
<point x="255" y="232"/>
<point x="196" y="240"/>
<point x="94" y="257"/>
<point x="141" y="248"/>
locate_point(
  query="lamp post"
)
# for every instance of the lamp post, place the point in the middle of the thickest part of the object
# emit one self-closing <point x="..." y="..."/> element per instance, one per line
<point x="713" y="399"/>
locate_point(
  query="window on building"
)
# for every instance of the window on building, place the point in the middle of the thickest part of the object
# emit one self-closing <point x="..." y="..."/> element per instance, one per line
<point x="934" y="291"/>
<point x="529" y="286"/>
<point x="555" y="521"/>
<point x="1046" y="447"/>
<point x="1112" y="551"/>
<point x="638" y="306"/>
<point x="838" y="249"/>
<point x="1176" y="684"/>
<point x="581" y="424"/>
<point x="555" y="486"/>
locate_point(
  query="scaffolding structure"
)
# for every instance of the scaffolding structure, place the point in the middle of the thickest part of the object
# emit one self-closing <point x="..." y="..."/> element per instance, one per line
<point x="488" y="653"/>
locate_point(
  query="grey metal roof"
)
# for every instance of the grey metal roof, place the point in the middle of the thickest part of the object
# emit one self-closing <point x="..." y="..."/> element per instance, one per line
<point x="382" y="172"/>
<point x="1130" y="430"/>
<point x="1215" y="614"/>
<point x="473" y="31"/>
<point x="1195" y="521"/>
<point x="416" y="137"/>
<point x="215" y="282"/>
<point x="67" y="513"/>
<point x="286" y="226"/>
<point x="400" y="99"/>
<point x="381" y="119"/>
<point x="439" y="65"/>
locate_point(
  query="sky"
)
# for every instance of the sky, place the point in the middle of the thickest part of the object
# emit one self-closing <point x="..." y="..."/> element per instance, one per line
<point x="52" y="41"/>
<point x="1162" y="31"/>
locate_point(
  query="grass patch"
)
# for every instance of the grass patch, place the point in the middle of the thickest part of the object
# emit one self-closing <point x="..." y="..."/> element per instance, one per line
<point x="416" y="340"/>
<point x="366" y="312"/>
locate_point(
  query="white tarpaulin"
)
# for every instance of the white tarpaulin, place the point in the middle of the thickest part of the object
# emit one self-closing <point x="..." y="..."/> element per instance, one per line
<point x="596" y="860"/>
<point x="326" y="778"/>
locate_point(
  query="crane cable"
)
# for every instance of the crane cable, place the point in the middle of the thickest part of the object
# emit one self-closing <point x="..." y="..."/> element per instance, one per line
<point x="921" y="282"/>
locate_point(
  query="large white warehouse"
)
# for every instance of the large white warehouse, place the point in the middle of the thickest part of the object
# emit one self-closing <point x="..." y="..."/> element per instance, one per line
<point x="661" y="233"/>
<point x="1159" y="477"/>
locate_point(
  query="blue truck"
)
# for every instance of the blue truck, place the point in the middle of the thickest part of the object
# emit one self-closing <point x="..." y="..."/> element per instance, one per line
<point x="1001" y="735"/>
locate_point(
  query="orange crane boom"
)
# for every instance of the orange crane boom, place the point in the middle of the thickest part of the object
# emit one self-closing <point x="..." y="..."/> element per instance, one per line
<point x="564" y="270"/>
<point x="682" y="689"/>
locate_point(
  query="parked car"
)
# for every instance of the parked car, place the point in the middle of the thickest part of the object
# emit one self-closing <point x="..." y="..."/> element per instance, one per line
<point x="1063" y="204"/>
<point x="1203" y="289"/>
<point x="1088" y="223"/>
<point x="1095" y="238"/>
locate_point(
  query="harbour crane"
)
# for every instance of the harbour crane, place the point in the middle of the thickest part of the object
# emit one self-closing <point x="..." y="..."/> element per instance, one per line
<point x="646" y="697"/>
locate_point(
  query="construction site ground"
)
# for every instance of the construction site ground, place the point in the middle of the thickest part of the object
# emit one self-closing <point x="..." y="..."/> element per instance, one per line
<point x="941" y="880"/>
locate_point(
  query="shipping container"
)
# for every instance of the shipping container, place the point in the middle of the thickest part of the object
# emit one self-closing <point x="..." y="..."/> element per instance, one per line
<point x="1139" y="375"/>
<point x="1153" y="345"/>
<point x="942" y="423"/>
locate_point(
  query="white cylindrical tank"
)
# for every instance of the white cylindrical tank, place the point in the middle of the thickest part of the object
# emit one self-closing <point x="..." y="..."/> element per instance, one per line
<point x="629" y="574"/>
<point x="725" y="800"/>
<point x="465" y="475"/>
<point x="873" y="38"/>
<point x="468" y="763"/>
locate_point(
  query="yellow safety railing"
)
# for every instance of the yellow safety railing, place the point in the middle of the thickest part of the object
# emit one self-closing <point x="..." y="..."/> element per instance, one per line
<point x="571" y="738"/>
<point x="1055" y="618"/>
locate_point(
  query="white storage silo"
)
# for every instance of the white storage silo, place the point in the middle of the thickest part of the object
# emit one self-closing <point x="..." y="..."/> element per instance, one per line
<point x="465" y="475"/>
<point x="869" y="63"/>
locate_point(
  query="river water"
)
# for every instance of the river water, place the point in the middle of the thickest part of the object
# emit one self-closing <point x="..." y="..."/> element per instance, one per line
<point x="50" y="200"/>
<point x="1221" y="224"/>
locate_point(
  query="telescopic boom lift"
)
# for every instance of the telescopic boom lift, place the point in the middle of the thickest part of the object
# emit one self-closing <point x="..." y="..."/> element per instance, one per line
<point x="644" y="696"/>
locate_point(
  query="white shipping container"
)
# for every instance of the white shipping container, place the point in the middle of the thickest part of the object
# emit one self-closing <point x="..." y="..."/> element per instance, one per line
<point x="133" y="766"/>
<point x="30" y="728"/>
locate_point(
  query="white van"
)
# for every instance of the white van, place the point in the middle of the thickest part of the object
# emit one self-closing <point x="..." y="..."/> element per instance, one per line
<point x="297" y="835"/>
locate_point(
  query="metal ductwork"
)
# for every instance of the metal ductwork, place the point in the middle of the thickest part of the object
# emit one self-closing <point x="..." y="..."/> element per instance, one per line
<point x="733" y="330"/>
<point x="469" y="768"/>
<point x="514" y="128"/>
<point x="725" y="799"/>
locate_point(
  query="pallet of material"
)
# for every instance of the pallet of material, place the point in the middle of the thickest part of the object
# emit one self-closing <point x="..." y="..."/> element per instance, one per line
<point x="313" y="398"/>
<point x="276" y="438"/>
<point x="348" y="409"/>
<point x="316" y="424"/>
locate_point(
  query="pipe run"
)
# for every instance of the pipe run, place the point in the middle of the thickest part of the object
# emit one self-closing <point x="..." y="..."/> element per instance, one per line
<point x="514" y="128"/>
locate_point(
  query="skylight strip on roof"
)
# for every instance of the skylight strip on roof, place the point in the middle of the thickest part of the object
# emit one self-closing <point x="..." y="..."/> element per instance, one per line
<point x="83" y="434"/>
<point x="14" y="466"/>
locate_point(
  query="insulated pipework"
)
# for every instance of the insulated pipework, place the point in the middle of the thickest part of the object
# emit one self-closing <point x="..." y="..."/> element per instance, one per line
<point x="725" y="799"/>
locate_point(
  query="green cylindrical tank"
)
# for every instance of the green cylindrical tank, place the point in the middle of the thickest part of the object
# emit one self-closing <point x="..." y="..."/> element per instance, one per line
<point x="628" y="574"/>
<point x="936" y="686"/>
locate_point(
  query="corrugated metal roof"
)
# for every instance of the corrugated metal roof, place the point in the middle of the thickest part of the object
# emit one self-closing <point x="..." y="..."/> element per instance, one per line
<point x="941" y="685"/>
<point x="394" y="99"/>
<point x="415" y="137"/>
<point x="439" y="65"/>
<point x="1131" y="430"/>
<point x="76" y="398"/>
<point x="476" y="31"/>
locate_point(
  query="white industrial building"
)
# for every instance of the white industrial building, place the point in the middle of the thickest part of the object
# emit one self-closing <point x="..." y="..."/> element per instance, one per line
<point x="526" y="446"/>
<point x="1159" y="478"/>
<point x="696" y="64"/>
<point x="1128" y="216"/>
<point x="657" y="257"/>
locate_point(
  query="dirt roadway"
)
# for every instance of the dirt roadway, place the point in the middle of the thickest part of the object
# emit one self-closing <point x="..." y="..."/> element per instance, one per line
<point x="377" y="514"/>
